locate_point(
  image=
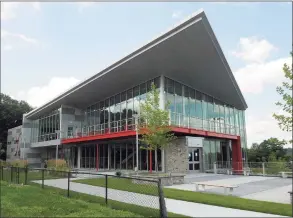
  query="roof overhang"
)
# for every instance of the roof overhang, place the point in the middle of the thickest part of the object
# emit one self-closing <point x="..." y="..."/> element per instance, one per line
<point x="188" y="53"/>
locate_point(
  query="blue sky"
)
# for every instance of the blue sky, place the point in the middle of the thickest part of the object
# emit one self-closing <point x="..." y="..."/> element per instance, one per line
<point x="48" y="47"/>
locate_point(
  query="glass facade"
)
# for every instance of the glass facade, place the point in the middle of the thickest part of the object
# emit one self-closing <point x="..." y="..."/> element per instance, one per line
<point x="193" y="109"/>
<point x="118" y="156"/>
<point x="115" y="114"/>
<point x="46" y="128"/>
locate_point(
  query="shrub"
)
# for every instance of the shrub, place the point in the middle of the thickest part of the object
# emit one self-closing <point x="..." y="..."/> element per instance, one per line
<point x="58" y="165"/>
<point x="118" y="173"/>
<point x="3" y="163"/>
<point x="19" y="163"/>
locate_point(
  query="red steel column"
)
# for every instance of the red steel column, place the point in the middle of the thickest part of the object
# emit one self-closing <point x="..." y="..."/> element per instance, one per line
<point x="237" y="155"/>
<point x="97" y="157"/>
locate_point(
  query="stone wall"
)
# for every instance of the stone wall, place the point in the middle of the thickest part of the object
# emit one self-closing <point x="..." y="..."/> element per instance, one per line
<point x="176" y="156"/>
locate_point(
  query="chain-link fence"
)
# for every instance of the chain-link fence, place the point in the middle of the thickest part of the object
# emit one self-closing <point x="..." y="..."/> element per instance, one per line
<point x="146" y="194"/>
<point x="283" y="169"/>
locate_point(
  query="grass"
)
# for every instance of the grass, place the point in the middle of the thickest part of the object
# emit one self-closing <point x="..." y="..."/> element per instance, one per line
<point x="142" y="211"/>
<point x="31" y="201"/>
<point x="197" y="197"/>
<point x="31" y="175"/>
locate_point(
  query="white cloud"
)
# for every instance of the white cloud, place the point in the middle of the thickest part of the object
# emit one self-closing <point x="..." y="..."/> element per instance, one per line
<point x="9" y="9"/>
<point x="176" y="14"/>
<point x="253" y="77"/>
<point x="259" y="129"/>
<point x="83" y="5"/>
<point x="37" y="96"/>
<point x="254" y="49"/>
<point x="11" y="40"/>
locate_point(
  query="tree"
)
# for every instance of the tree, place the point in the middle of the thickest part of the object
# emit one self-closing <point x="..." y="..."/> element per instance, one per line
<point x="261" y="152"/>
<point x="285" y="120"/>
<point x="11" y="112"/>
<point x="155" y="132"/>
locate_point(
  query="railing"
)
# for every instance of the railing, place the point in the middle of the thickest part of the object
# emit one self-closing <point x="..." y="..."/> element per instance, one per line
<point x="175" y="119"/>
<point x="197" y="123"/>
<point x="46" y="137"/>
<point x="250" y="168"/>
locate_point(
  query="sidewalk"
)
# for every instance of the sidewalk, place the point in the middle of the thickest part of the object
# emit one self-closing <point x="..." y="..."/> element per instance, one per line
<point x="175" y="206"/>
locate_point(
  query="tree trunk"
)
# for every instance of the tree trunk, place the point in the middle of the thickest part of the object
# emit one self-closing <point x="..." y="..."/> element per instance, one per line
<point x="151" y="163"/>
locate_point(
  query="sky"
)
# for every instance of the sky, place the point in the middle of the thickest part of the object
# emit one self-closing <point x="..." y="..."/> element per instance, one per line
<point x="47" y="48"/>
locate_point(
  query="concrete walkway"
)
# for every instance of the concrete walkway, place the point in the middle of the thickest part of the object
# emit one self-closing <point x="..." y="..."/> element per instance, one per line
<point x="175" y="206"/>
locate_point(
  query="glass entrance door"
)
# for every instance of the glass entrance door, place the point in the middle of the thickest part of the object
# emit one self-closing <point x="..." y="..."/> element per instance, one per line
<point x="194" y="159"/>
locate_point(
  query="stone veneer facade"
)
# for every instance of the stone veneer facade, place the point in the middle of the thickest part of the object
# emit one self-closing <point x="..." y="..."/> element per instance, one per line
<point x="176" y="156"/>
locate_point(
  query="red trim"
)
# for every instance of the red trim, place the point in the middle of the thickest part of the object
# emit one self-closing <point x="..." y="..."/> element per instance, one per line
<point x="202" y="133"/>
<point x="237" y="155"/>
<point x="97" y="137"/>
<point x="132" y="133"/>
<point x="97" y="157"/>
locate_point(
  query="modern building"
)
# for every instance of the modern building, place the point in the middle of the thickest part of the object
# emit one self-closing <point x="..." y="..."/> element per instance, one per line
<point x="92" y="125"/>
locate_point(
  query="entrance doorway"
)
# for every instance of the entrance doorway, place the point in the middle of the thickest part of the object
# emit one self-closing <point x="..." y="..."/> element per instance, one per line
<point x="194" y="159"/>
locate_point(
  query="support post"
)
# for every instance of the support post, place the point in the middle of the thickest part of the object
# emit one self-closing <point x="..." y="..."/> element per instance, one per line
<point x="56" y="155"/>
<point x="263" y="169"/>
<point x="106" y="189"/>
<point x="215" y="167"/>
<point x="237" y="155"/>
<point x="78" y="156"/>
<point x="97" y="157"/>
<point x="163" y="210"/>
<point x="151" y="162"/>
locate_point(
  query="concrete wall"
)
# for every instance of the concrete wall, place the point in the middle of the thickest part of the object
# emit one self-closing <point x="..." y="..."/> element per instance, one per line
<point x="13" y="135"/>
<point x="176" y="154"/>
<point x="70" y="117"/>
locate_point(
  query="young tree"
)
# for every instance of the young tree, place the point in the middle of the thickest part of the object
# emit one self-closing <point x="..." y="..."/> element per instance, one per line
<point x="156" y="131"/>
<point x="285" y="120"/>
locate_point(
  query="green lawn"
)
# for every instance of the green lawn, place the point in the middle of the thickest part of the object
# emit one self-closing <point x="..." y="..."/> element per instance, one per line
<point x="31" y="201"/>
<point x="31" y="175"/>
<point x="197" y="197"/>
<point x="142" y="211"/>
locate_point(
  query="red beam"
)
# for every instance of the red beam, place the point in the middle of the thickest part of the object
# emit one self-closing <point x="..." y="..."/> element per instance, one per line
<point x="97" y="137"/>
<point x="128" y="133"/>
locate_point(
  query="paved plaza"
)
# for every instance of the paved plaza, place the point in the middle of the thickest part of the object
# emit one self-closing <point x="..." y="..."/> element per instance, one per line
<point x="274" y="189"/>
<point x="175" y="206"/>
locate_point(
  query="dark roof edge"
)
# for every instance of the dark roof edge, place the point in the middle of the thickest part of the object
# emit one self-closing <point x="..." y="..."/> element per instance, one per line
<point x="223" y="58"/>
<point x="191" y="19"/>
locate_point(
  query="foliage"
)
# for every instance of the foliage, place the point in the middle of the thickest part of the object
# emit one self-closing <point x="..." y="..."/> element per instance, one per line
<point x="3" y="163"/>
<point x="58" y="167"/>
<point x="118" y="173"/>
<point x="19" y="163"/>
<point x="156" y="132"/>
<point x="11" y="112"/>
<point x="261" y="152"/>
<point x="59" y="164"/>
<point x="285" y="120"/>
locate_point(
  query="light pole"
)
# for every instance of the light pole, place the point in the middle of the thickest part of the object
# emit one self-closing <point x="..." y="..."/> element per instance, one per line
<point x="136" y="131"/>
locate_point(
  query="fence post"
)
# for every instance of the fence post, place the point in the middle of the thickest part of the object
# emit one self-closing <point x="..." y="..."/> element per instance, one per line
<point x="163" y="209"/>
<point x="11" y="176"/>
<point x="2" y="174"/>
<point x="25" y="176"/>
<point x="106" y="191"/>
<point x="263" y="169"/>
<point x="17" y="175"/>
<point x="43" y="178"/>
<point x="68" y="185"/>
